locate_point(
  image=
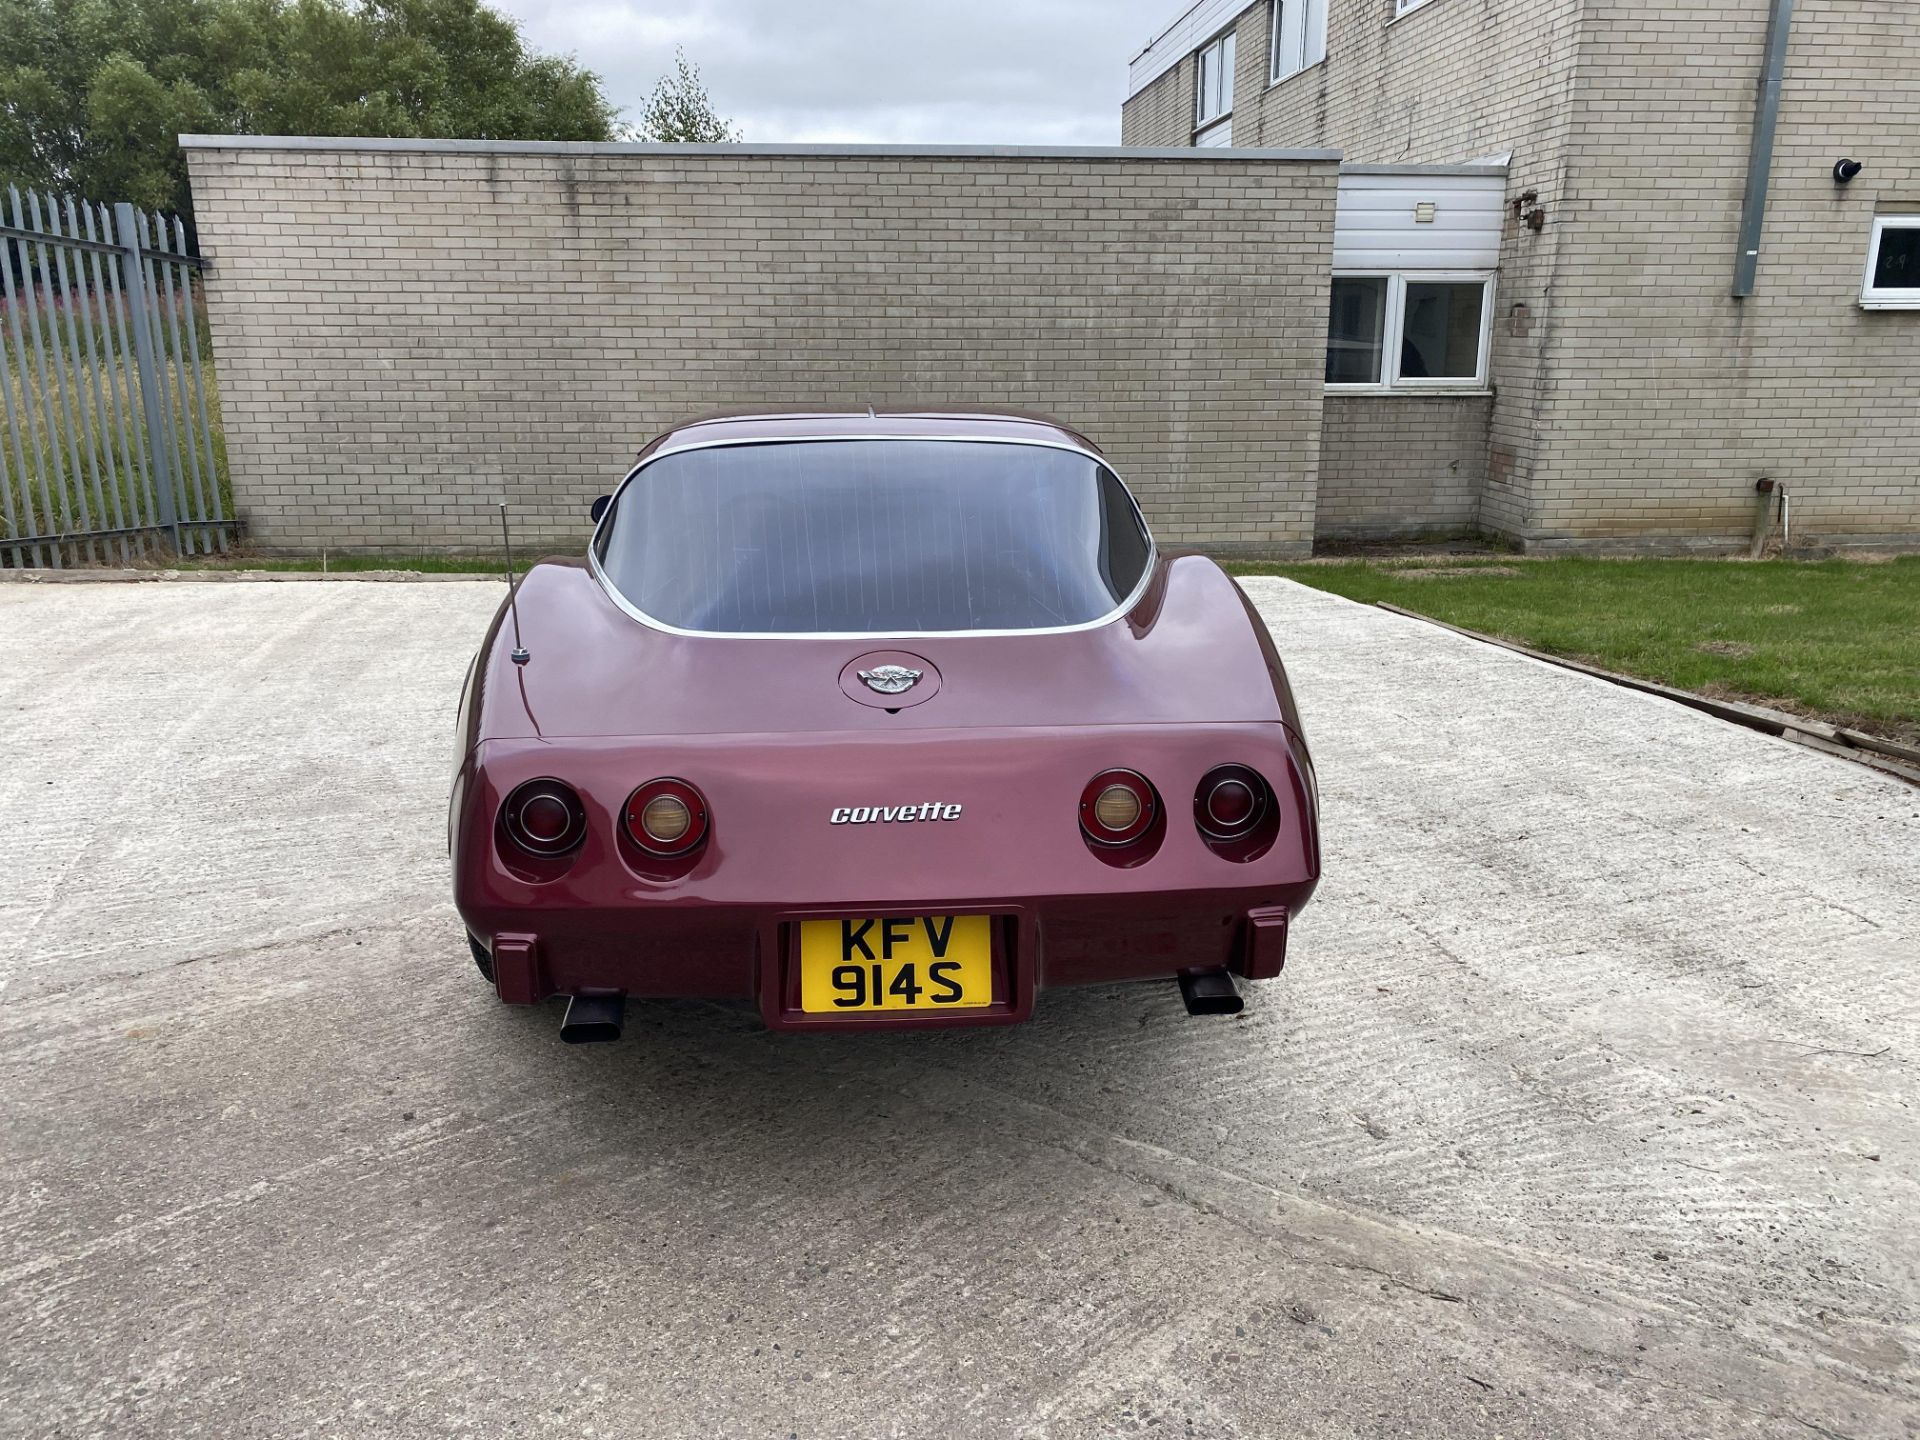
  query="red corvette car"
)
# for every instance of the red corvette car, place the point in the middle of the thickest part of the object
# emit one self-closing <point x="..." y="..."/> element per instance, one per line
<point x="878" y="720"/>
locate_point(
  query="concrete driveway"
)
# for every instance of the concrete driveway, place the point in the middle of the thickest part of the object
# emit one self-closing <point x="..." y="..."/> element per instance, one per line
<point x="1587" y="1105"/>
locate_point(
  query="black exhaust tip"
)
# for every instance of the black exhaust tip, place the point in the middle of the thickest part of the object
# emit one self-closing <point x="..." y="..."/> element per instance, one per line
<point x="1210" y="992"/>
<point x="594" y="1017"/>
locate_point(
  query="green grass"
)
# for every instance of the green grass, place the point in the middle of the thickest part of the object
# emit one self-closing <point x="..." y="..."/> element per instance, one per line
<point x="1836" y="639"/>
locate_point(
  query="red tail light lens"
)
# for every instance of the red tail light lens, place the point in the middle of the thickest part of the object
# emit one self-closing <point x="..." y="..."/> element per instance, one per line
<point x="1117" y="807"/>
<point x="667" y="817"/>
<point x="544" y="817"/>
<point x="1230" y="802"/>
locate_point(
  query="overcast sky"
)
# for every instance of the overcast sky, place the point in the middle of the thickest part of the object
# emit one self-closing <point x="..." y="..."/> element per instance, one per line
<point x="1031" y="72"/>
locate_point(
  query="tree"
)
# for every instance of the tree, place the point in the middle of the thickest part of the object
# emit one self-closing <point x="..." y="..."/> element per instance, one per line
<point x="680" y="112"/>
<point x="93" y="92"/>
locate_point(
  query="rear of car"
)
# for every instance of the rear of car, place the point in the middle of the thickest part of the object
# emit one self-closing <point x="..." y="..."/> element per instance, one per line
<point x="879" y="721"/>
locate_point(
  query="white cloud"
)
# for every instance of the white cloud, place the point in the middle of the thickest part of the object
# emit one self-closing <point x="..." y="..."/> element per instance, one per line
<point x="1042" y="72"/>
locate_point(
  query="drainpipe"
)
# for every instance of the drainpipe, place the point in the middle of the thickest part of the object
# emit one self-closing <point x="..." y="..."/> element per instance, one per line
<point x="1762" y="518"/>
<point x="1766" y="117"/>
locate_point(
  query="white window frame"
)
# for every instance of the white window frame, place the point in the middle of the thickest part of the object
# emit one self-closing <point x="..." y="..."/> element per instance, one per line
<point x="1302" y="45"/>
<point x="1205" y="123"/>
<point x="1874" y="297"/>
<point x="1406" y="7"/>
<point x="1392" y="334"/>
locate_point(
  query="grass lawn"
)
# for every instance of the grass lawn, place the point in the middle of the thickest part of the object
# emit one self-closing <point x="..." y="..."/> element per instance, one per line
<point x="1835" y="639"/>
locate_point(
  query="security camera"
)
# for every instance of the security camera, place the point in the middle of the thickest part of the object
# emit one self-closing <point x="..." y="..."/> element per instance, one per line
<point x="1845" y="170"/>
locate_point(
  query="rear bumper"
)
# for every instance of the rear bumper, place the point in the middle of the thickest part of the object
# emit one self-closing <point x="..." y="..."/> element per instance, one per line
<point x="753" y="955"/>
<point x="721" y="924"/>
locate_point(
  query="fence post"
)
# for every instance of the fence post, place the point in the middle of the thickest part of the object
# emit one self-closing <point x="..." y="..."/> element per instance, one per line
<point x="133" y="273"/>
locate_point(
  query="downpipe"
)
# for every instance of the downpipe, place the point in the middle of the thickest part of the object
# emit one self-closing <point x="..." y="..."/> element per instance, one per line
<point x="594" y="1017"/>
<point x="1766" y="120"/>
<point x="1775" y="501"/>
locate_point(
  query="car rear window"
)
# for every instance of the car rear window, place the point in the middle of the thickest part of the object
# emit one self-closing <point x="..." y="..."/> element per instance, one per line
<point x="874" y="537"/>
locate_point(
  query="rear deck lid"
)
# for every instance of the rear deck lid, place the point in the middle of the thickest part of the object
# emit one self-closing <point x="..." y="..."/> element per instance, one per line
<point x="1186" y="652"/>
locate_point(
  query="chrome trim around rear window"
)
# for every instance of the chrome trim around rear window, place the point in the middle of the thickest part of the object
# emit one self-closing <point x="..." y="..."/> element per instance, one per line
<point x="613" y="592"/>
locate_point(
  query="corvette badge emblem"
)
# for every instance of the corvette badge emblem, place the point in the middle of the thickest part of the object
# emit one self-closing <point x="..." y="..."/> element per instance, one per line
<point x="890" y="679"/>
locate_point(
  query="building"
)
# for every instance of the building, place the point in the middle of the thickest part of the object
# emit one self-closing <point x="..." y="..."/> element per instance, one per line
<point x="1704" y="271"/>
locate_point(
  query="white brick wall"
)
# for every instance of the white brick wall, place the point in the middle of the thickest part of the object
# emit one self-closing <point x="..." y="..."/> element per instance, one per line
<point x="1669" y="396"/>
<point x="405" y="335"/>
<point x="1454" y="81"/>
<point x="1638" y="401"/>
<point x="1400" y="466"/>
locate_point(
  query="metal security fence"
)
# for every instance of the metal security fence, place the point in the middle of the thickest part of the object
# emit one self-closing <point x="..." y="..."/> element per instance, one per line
<point x="109" y="442"/>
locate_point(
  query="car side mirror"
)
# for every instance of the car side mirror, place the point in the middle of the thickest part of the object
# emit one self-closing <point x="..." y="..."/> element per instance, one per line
<point x="600" y="507"/>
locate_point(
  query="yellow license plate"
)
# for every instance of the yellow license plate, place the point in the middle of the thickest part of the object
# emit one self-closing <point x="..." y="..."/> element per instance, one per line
<point x="920" y="962"/>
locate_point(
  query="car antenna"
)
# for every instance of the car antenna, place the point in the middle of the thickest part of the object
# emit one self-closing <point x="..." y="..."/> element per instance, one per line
<point x="520" y="656"/>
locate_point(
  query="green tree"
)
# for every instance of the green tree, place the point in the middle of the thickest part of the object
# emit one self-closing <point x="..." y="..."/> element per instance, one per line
<point x="680" y="112"/>
<point x="93" y="92"/>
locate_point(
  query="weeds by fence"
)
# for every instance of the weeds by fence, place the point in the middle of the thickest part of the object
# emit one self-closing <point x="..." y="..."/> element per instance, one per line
<point x="109" y="416"/>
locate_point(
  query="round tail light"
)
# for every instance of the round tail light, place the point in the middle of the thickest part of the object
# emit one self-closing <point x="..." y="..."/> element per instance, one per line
<point x="1229" y="802"/>
<point x="667" y="817"/>
<point x="544" y="817"/>
<point x="1117" y="807"/>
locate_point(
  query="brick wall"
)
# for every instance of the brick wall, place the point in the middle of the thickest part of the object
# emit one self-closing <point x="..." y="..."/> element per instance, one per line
<point x="1162" y="113"/>
<point x="1671" y="396"/>
<point x="407" y="331"/>
<point x="1637" y="401"/>
<point x="1450" y="82"/>
<point x="1400" y="466"/>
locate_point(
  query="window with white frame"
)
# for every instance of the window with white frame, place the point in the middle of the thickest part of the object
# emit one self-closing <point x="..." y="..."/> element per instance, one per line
<point x="1296" y="37"/>
<point x="1213" y="94"/>
<point x="1401" y="7"/>
<point x="1893" y="264"/>
<point x="1409" y="330"/>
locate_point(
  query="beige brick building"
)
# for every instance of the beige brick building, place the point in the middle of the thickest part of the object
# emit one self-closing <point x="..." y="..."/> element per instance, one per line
<point x="408" y="330"/>
<point x="1624" y="396"/>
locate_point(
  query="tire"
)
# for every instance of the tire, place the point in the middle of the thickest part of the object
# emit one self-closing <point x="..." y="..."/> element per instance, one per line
<point x="481" y="959"/>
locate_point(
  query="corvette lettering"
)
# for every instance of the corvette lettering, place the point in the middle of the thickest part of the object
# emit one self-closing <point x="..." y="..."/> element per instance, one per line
<point x="893" y="814"/>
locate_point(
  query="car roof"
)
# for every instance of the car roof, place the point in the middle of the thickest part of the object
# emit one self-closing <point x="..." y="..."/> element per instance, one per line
<point x="869" y="424"/>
